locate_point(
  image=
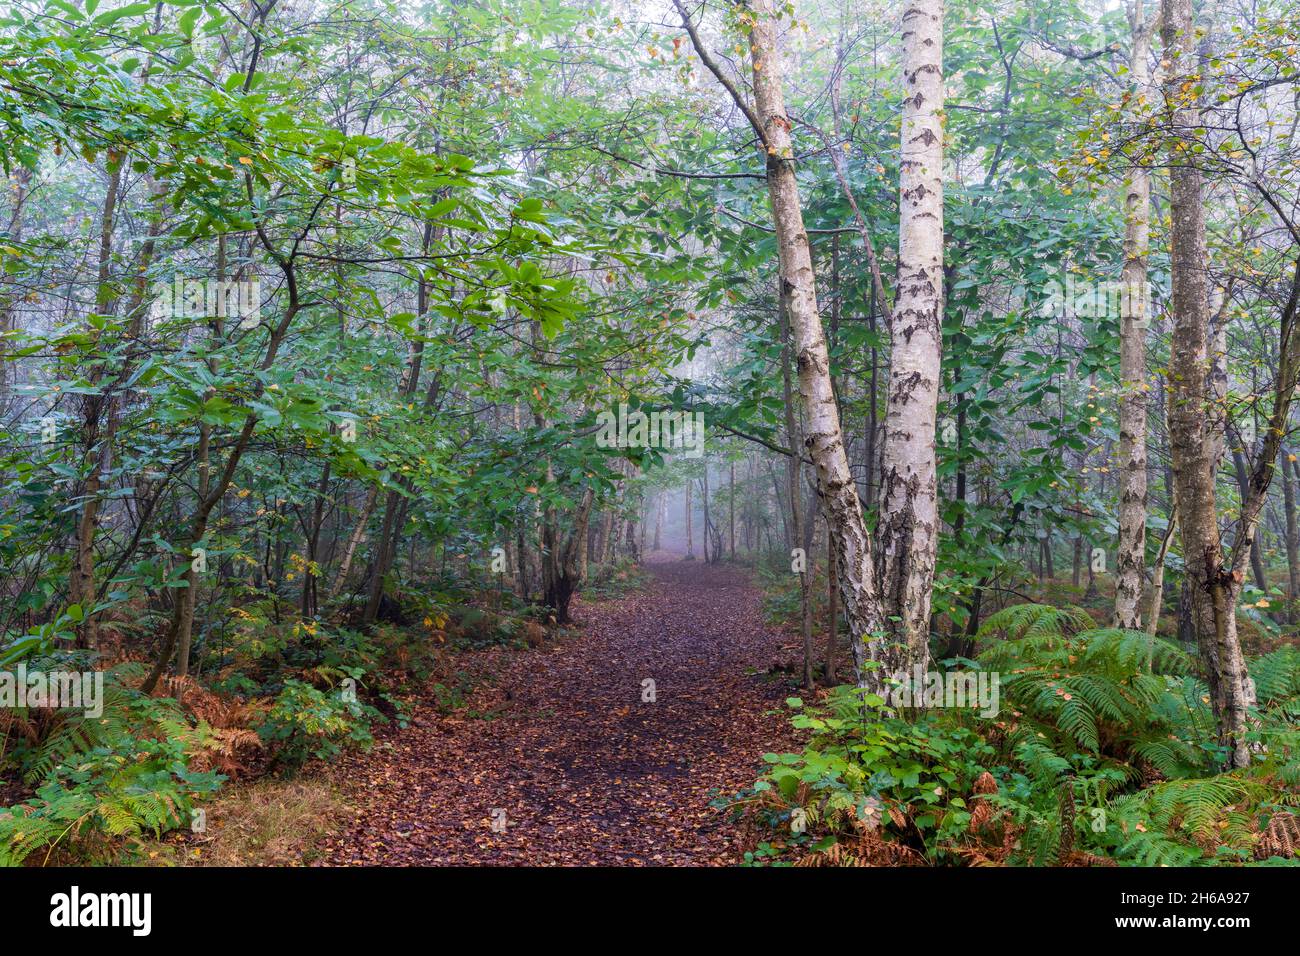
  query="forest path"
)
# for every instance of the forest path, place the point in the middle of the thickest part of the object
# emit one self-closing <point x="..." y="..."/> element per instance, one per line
<point x="586" y="772"/>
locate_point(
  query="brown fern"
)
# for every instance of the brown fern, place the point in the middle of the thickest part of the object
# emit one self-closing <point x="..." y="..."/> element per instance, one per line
<point x="866" y="849"/>
<point x="1280" y="838"/>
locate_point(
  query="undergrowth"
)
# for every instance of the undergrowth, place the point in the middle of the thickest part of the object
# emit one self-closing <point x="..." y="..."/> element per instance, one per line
<point x="1103" y="753"/>
<point x="276" y="694"/>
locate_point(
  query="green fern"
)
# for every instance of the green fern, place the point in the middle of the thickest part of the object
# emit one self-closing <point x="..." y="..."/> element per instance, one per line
<point x="1183" y="822"/>
<point x="73" y="732"/>
<point x="1277" y="676"/>
<point x="1117" y="694"/>
<point x="121" y="774"/>
<point x="1032" y="621"/>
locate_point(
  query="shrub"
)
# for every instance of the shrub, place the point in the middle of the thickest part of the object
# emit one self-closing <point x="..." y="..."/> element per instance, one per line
<point x="306" y="723"/>
<point x="877" y="787"/>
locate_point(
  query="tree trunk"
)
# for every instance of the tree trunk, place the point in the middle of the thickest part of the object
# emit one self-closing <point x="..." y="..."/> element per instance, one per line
<point x="1290" y="471"/>
<point x="358" y="533"/>
<point x="21" y="181"/>
<point x="311" y="544"/>
<point x="659" y="519"/>
<point x="1130" y="560"/>
<point x="909" y="521"/>
<point x="629" y="540"/>
<point x="832" y="617"/>
<point x="561" y="558"/>
<point x="794" y="481"/>
<point x="1091" y="591"/>
<point x="1243" y="486"/>
<point x="1158" y="575"/>
<point x="95" y="446"/>
<point x="805" y="582"/>
<point x="645" y="527"/>
<point x="521" y="567"/>
<point x="704" y="491"/>
<point x="604" y="535"/>
<point x="1213" y="590"/>
<point x="731" y="510"/>
<point x="690" y="532"/>
<point x="396" y="504"/>
<point x="183" y="609"/>
<point x="823" y="435"/>
<point x="385" y="548"/>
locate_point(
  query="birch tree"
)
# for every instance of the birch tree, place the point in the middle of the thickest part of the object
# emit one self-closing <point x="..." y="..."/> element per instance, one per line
<point x="822" y="433"/>
<point x="909" y="519"/>
<point x="1131" y="558"/>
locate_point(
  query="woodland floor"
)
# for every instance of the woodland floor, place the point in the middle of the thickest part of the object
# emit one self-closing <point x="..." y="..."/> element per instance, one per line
<point x="586" y="772"/>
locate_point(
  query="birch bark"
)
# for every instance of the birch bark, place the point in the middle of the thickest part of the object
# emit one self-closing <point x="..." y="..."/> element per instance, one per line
<point x="1131" y="558"/>
<point x="909" y="521"/>
<point x="822" y="434"/>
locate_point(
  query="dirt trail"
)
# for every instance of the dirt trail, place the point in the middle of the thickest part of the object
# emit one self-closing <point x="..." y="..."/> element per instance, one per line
<point x="585" y="771"/>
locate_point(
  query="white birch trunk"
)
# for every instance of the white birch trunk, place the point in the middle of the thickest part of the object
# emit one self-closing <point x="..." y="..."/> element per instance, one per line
<point x="822" y="434"/>
<point x="1130" y="561"/>
<point x="909" y="520"/>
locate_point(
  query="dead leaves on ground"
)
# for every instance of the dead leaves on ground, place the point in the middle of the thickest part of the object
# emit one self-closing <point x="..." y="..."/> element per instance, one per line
<point x="577" y="768"/>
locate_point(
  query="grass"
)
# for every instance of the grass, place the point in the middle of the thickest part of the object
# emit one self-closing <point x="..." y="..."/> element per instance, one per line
<point x="269" y="822"/>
